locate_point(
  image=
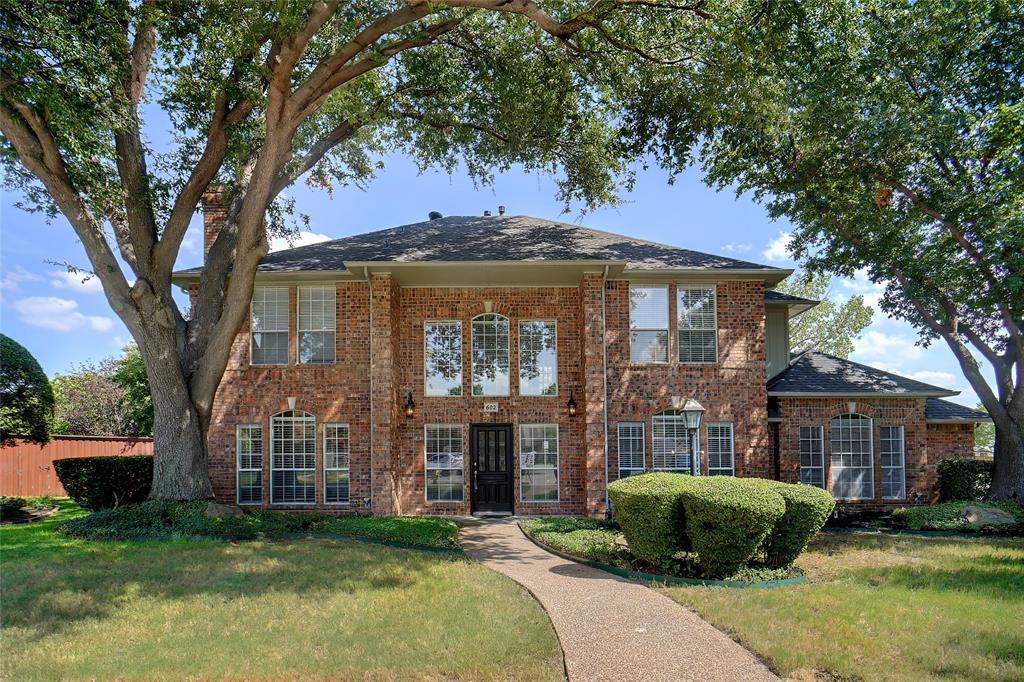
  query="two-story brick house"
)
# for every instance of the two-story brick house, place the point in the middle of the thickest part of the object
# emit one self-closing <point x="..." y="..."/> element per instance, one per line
<point x="515" y="364"/>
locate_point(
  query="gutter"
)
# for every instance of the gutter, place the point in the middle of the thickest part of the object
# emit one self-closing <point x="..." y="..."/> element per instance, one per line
<point x="604" y="369"/>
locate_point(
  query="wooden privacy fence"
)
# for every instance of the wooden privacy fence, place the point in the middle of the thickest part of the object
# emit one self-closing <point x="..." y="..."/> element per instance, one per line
<point x="26" y="469"/>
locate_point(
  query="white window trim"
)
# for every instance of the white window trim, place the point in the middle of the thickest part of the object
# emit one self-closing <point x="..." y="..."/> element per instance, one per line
<point x="519" y="357"/>
<point x="462" y="435"/>
<point x="472" y="360"/>
<point x="903" y="461"/>
<point x="238" y="463"/>
<point x="732" y="449"/>
<point x="691" y="285"/>
<point x="821" y="445"/>
<point x="325" y="468"/>
<point x="287" y="331"/>
<point x="273" y="469"/>
<point x="462" y="367"/>
<point x="668" y="328"/>
<point x="298" y="331"/>
<point x="643" y="447"/>
<point x="871" y="458"/>
<point x="558" y="466"/>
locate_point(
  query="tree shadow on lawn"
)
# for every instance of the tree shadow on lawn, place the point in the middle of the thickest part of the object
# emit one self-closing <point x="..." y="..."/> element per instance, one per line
<point x="50" y="594"/>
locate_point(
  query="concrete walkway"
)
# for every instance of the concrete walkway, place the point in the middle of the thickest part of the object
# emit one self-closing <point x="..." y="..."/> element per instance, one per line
<point x="610" y="628"/>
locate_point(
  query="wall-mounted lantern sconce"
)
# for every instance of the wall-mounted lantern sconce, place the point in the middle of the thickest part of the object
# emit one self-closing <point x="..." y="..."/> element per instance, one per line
<point x="571" y="405"/>
<point x="410" y="406"/>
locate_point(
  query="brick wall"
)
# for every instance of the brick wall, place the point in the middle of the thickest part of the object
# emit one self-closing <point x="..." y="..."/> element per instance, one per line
<point x="945" y="441"/>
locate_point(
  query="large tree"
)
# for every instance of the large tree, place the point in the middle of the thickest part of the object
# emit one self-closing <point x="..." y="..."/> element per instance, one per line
<point x="831" y="326"/>
<point x="891" y="134"/>
<point x="260" y="94"/>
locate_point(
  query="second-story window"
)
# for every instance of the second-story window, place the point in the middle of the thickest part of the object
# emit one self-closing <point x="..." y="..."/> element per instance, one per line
<point x="316" y="324"/>
<point x="698" y="334"/>
<point x="490" y="355"/>
<point x="442" y="358"/>
<point x="648" y="324"/>
<point x="269" y="326"/>
<point x="538" y="358"/>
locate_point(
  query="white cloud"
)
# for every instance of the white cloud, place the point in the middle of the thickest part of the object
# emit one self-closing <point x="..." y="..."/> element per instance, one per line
<point x="778" y="248"/>
<point x="58" y="314"/>
<point x="193" y="239"/>
<point x="928" y="376"/>
<point x="876" y="344"/>
<point x="861" y="284"/>
<point x="77" y="281"/>
<point x="302" y="239"/>
<point x="14" y="277"/>
<point x="736" y="247"/>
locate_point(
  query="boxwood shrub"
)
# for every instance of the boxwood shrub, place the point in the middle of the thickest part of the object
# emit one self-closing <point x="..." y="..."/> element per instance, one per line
<point x="728" y="519"/>
<point x="807" y="509"/>
<point x="105" y="482"/>
<point x="649" y="509"/>
<point x="964" y="478"/>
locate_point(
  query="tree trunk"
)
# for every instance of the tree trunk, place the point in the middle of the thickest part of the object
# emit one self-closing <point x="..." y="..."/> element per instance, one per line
<point x="1008" y="460"/>
<point x="179" y="443"/>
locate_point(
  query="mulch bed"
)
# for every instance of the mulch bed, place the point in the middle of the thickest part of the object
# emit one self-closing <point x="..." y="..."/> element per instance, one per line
<point x="28" y="514"/>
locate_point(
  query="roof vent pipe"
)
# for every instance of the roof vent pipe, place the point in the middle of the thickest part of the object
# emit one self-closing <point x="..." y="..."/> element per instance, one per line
<point x="501" y="210"/>
<point x="487" y="214"/>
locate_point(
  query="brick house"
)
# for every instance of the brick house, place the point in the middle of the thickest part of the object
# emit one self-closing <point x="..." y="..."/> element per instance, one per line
<point x="515" y="364"/>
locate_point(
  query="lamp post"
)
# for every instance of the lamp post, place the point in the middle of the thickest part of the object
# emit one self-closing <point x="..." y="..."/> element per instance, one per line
<point x="693" y="412"/>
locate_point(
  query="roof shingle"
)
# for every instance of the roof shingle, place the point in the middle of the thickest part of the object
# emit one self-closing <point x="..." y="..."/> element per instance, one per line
<point x="818" y="373"/>
<point x="939" y="410"/>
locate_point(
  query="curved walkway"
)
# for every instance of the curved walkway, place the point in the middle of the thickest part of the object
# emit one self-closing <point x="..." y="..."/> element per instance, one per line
<point x="610" y="628"/>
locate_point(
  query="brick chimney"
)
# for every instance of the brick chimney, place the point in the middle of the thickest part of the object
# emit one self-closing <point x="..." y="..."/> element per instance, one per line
<point x="215" y="214"/>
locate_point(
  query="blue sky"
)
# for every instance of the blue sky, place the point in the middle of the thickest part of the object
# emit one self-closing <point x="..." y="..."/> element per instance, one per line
<point x="64" y="321"/>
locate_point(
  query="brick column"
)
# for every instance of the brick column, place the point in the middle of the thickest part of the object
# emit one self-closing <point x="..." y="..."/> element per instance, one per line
<point x="215" y="215"/>
<point x="383" y="398"/>
<point x="592" y="362"/>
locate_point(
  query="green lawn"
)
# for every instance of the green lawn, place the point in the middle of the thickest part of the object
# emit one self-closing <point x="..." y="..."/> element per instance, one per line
<point x="301" y="609"/>
<point x="885" y="608"/>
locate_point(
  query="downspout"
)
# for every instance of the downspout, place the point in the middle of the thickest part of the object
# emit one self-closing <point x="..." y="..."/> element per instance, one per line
<point x="369" y="310"/>
<point x="604" y="361"/>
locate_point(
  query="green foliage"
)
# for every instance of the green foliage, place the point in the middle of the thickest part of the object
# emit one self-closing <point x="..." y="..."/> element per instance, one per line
<point x="950" y="516"/>
<point x="106" y="398"/>
<point x="104" y="482"/>
<point x="649" y="508"/>
<point x="984" y="433"/>
<point x="136" y="401"/>
<point x="11" y="504"/>
<point x="160" y="519"/>
<point x="831" y="326"/>
<point x="728" y="519"/>
<point x="964" y="478"/>
<point x="807" y="509"/>
<point x="26" y="398"/>
<point x="579" y="536"/>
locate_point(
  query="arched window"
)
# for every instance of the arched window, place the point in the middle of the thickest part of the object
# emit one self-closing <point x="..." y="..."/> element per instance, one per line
<point x="293" y="458"/>
<point x="490" y="355"/>
<point x="853" y="472"/>
<point x="672" y="442"/>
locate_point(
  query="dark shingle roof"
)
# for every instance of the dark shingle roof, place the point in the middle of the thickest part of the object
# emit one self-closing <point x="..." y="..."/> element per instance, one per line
<point x="493" y="238"/>
<point x="819" y="373"/>
<point x="771" y="295"/>
<point x="939" y="410"/>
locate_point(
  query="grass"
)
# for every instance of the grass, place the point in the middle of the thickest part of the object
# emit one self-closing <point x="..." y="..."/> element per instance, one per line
<point x="259" y="610"/>
<point x="949" y="516"/>
<point x="885" y="608"/>
<point x="162" y="519"/>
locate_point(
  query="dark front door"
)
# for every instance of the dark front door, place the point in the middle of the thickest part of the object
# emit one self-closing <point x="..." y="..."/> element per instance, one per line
<point x="491" y="455"/>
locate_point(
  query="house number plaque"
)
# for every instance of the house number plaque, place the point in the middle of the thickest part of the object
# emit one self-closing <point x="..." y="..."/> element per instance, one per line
<point x="490" y="407"/>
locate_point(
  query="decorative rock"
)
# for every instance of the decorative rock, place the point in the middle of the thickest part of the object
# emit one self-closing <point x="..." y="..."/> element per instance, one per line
<point x="216" y="510"/>
<point x="987" y="516"/>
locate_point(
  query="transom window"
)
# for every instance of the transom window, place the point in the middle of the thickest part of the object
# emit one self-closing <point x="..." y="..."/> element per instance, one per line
<point x="631" y="448"/>
<point x="316" y="324"/>
<point x="293" y="458"/>
<point x="444" y="465"/>
<point x="853" y="476"/>
<point x="490" y="355"/>
<point x="538" y="357"/>
<point x="648" y="324"/>
<point x="698" y="336"/>
<point x="538" y="461"/>
<point x="893" y="462"/>
<point x="336" y="463"/>
<point x="672" y="443"/>
<point x="720" y="449"/>
<point x="442" y="357"/>
<point x="269" y="326"/>
<point x="249" y="447"/>
<point x="812" y="456"/>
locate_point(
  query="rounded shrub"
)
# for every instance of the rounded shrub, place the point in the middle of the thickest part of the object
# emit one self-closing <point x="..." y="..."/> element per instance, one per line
<point x="649" y="509"/>
<point x="807" y="509"/>
<point x="727" y="520"/>
<point x="964" y="478"/>
<point x="9" y="505"/>
<point x="105" y="482"/>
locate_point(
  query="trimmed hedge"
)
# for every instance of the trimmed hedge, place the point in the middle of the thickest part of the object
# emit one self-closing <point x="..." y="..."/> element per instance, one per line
<point x="9" y="505"/>
<point x="807" y="509"/>
<point x="105" y="482"/>
<point x="728" y="519"/>
<point x="964" y="478"/>
<point x="649" y="509"/>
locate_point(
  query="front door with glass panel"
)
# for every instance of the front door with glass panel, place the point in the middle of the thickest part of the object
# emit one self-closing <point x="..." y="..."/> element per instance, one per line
<point x="491" y="455"/>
